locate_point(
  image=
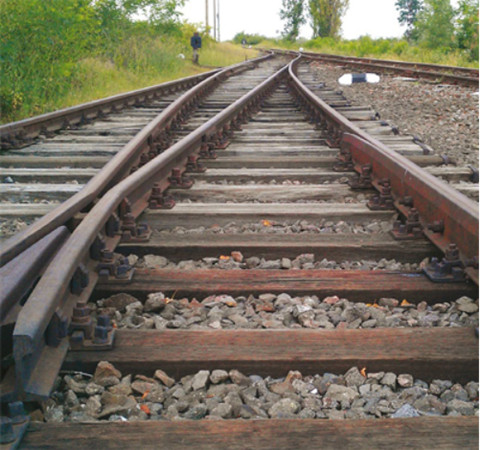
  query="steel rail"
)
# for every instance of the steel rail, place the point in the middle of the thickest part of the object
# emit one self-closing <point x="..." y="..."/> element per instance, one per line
<point x="30" y="352"/>
<point x="434" y="199"/>
<point x="406" y="64"/>
<point x="115" y="169"/>
<point x="430" y="71"/>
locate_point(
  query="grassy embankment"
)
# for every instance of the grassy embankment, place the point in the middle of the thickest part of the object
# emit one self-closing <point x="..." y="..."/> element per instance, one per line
<point x="100" y="77"/>
<point x="394" y="49"/>
<point x="158" y="62"/>
<point x="57" y="54"/>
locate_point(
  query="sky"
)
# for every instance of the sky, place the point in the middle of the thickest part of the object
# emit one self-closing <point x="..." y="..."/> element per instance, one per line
<point x="377" y="18"/>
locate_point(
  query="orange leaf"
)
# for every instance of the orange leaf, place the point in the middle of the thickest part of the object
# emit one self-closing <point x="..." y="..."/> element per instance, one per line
<point x="266" y="223"/>
<point x="145" y="409"/>
<point x="405" y="303"/>
<point x="364" y="372"/>
<point x="144" y="396"/>
<point x="224" y="258"/>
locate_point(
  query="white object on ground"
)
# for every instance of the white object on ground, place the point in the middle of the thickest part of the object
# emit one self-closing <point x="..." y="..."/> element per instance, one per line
<point x="350" y="78"/>
<point x="181" y="56"/>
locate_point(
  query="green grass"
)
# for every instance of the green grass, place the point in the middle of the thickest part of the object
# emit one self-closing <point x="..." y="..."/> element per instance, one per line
<point x="134" y="66"/>
<point x="394" y="49"/>
<point x="224" y="54"/>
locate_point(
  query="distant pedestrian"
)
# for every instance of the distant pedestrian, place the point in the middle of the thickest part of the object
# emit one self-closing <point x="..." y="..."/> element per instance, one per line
<point x="196" y="43"/>
<point x="244" y="42"/>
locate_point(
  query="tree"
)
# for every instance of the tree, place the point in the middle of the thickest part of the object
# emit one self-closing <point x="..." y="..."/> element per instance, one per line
<point x="408" y="11"/>
<point x="326" y="17"/>
<point x="292" y="14"/>
<point x="467" y="27"/>
<point x="435" y="24"/>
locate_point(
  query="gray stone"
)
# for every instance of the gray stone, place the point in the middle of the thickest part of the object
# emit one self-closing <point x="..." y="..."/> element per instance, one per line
<point x="134" y="309"/>
<point x="71" y="399"/>
<point x="268" y="297"/>
<point x="140" y="387"/>
<point x="354" y="378"/>
<point x="306" y="414"/>
<point x="239" y="378"/>
<point x="271" y="265"/>
<point x="341" y="393"/>
<point x="472" y="390"/>
<point x="223" y="410"/>
<point x="200" y="380"/>
<point x="218" y="376"/>
<point x="467" y="305"/>
<point x="437" y="387"/>
<point x="283" y="409"/>
<point x="94" y="389"/>
<point x="430" y="404"/>
<point x="364" y="389"/>
<point x="390" y="380"/>
<point x="388" y="302"/>
<point x="119" y="301"/>
<point x="155" y="302"/>
<point x="164" y="378"/>
<point x="156" y="395"/>
<point x="155" y="261"/>
<point x="461" y="407"/>
<point x="250" y="412"/>
<point x="405" y="380"/>
<point x="459" y="392"/>
<point x="371" y="323"/>
<point x="301" y="309"/>
<point x="196" y="412"/>
<point x="79" y="387"/>
<point x="122" y="405"/>
<point x="122" y="388"/>
<point x="93" y="406"/>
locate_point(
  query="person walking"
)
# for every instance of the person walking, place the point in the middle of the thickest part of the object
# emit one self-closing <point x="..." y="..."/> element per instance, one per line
<point x="196" y="43"/>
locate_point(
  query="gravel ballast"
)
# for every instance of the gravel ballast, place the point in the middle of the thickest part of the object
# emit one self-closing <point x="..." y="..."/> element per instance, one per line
<point x="444" y="116"/>
<point x="323" y="226"/>
<point x="270" y="311"/>
<point x="221" y="394"/>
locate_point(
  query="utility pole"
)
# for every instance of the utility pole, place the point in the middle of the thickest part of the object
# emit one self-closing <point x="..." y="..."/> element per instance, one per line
<point x="215" y="19"/>
<point x="206" y="16"/>
<point x="218" y="20"/>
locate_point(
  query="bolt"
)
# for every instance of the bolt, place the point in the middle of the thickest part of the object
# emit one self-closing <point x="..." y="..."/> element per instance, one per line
<point x="100" y="335"/>
<point x="452" y="253"/>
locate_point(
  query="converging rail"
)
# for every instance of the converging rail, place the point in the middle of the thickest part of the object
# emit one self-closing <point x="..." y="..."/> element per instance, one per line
<point x="260" y="137"/>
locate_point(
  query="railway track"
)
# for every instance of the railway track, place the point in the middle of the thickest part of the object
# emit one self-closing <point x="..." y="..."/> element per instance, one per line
<point x="283" y="256"/>
<point x="463" y="76"/>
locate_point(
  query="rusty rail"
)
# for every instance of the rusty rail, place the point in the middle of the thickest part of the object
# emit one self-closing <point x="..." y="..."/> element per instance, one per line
<point x="438" y="68"/>
<point x="49" y="308"/>
<point x="436" y="202"/>
<point x="146" y="141"/>
<point x="449" y="74"/>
